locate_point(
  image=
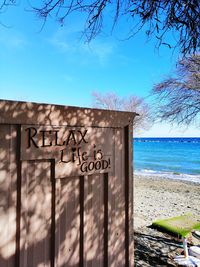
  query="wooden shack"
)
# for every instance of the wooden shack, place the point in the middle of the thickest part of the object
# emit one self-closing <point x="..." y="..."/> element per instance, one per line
<point x="66" y="186"/>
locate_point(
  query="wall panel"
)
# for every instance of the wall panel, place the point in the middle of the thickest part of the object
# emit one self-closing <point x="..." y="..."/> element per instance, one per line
<point x="66" y="188"/>
<point x="36" y="195"/>
<point x="68" y="222"/>
<point x="116" y="206"/>
<point x="8" y="194"/>
<point x="94" y="221"/>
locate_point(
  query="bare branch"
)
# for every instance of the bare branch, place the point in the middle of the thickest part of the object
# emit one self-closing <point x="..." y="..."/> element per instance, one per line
<point x="178" y="98"/>
<point x="112" y="101"/>
<point x="158" y="17"/>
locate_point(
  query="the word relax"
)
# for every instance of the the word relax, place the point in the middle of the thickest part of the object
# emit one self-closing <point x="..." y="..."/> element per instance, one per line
<point x="48" y="138"/>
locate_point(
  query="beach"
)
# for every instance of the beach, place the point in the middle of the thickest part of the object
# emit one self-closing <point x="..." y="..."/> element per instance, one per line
<point x="158" y="198"/>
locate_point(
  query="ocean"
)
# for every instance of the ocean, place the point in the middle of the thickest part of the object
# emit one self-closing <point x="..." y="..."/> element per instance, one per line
<point x="175" y="158"/>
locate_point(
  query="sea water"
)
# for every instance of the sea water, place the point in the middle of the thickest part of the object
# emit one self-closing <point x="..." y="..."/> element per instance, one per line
<point x="175" y="158"/>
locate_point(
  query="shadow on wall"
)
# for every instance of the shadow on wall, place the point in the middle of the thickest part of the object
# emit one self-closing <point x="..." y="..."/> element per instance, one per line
<point x="48" y="218"/>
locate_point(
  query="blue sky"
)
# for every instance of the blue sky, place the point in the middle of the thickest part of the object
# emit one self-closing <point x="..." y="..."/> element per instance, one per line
<point x="54" y="65"/>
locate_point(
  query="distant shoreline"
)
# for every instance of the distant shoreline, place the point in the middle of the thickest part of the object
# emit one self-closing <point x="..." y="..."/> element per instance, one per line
<point x="188" y="178"/>
<point x="167" y="139"/>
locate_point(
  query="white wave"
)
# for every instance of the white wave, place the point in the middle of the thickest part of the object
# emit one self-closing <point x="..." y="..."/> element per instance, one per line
<point x="169" y="175"/>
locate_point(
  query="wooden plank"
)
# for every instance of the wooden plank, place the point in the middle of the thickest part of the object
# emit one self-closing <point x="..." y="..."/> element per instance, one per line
<point x="129" y="187"/>
<point x="128" y="152"/>
<point x="36" y="213"/>
<point x="116" y="207"/>
<point x="8" y="199"/>
<point x="44" y="114"/>
<point x="94" y="221"/>
<point x="105" y="180"/>
<point x="67" y="222"/>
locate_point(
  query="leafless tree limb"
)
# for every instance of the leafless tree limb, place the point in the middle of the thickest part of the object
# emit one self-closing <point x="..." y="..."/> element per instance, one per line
<point x="158" y="16"/>
<point x="178" y="98"/>
<point x="111" y="101"/>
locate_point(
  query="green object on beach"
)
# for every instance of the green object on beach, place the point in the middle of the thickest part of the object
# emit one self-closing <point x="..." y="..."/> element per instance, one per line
<point x="180" y="225"/>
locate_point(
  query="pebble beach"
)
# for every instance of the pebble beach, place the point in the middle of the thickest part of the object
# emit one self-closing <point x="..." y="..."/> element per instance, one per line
<point x="160" y="198"/>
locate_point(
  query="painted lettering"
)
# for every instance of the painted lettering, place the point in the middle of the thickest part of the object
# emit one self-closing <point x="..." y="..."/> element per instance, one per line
<point x="73" y="150"/>
<point x="45" y="139"/>
<point x="82" y="137"/>
<point x="83" y="167"/>
<point x="56" y="138"/>
<point x="31" y="133"/>
<point x="70" y="138"/>
<point x="95" y="166"/>
<point x="84" y="156"/>
<point x="62" y="156"/>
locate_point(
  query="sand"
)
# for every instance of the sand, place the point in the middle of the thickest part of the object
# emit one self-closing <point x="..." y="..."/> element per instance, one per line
<point x="159" y="198"/>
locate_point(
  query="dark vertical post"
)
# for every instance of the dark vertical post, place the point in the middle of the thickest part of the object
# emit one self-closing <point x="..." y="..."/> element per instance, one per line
<point x="18" y="208"/>
<point x="81" y="221"/>
<point x="53" y="197"/>
<point x="105" y="220"/>
<point x="126" y="166"/>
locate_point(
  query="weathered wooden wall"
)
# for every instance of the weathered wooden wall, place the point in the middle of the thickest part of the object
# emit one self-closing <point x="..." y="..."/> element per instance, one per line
<point x="51" y="219"/>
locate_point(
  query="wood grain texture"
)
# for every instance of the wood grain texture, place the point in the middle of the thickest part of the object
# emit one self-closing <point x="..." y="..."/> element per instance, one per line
<point x="130" y="196"/>
<point x="8" y="195"/>
<point x="128" y="170"/>
<point x="36" y="203"/>
<point x="116" y="207"/>
<point x="51" y="216"/>
<point x="68" y="222"/>
<point x="94" y="221"/>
